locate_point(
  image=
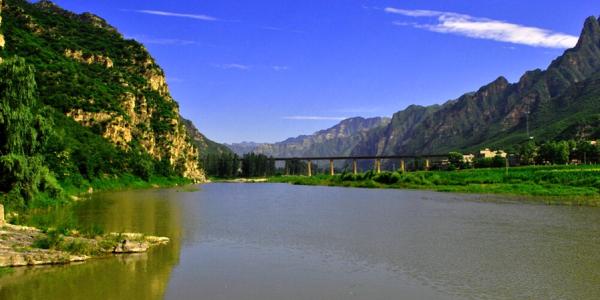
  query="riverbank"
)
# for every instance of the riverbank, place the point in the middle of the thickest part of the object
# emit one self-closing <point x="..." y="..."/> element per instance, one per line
<point x="29" y="246"/>
<point x="123" y="182"/>
<point x="568" y="185"/>
<point x="48" y="232"/>
<point x="46" y="210"/>
<point x="241" y="180"/>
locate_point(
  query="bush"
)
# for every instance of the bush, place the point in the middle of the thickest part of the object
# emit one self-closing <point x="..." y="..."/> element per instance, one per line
<point x="52" y="240"/>
<point x="387" y="178"/>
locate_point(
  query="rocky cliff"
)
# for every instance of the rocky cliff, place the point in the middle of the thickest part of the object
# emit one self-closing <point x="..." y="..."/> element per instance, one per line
<point x="561" y="102"/>
<point x="88" y="71"/>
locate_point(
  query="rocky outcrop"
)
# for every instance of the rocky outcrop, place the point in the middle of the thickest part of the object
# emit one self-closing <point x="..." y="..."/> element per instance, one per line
<point x="89" y="59"/>
<point x="18" y="246"/>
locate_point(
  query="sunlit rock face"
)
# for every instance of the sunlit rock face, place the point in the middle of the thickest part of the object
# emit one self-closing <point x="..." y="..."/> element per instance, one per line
<point x="103" y="81"/>
<point x="89" y="59"/>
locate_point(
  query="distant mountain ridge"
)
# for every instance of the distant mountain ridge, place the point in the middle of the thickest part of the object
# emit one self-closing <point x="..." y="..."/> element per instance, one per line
<point x="561" y="102"/>
<point x="337" y="140"/>
<point x="243" y="147"/>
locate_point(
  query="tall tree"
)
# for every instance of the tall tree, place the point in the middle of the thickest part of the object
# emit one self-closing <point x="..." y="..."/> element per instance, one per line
<point x="24" y="131"/>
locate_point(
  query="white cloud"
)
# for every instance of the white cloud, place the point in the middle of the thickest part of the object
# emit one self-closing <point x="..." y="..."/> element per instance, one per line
<point x="280" y="68"/>
<point x="273" y="28"/>
<point x="177" y="15"/>
<point x="314" y="118"/>
<point x="233" y="66"/>
<point x="483" y="28"/>
<point x="414" y="12"/>
<point x="161" y="41"/>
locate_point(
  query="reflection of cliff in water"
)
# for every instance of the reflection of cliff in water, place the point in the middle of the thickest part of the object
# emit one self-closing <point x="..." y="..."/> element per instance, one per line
<point x="140" y="276"/>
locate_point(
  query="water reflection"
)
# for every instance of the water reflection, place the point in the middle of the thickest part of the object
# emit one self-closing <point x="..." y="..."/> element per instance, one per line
<point x="277" y="241"/>
<point x="140" y="276"/>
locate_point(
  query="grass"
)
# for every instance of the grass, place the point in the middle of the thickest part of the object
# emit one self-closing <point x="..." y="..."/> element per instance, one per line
<point x="123" y="182"/>
<point x="77" y="245"/>
<point x="57" y="215"/>
<point x="573" y="185"/>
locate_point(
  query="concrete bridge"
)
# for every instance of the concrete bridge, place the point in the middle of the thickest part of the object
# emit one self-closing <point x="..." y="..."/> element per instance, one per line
<point x="377" y="158"/>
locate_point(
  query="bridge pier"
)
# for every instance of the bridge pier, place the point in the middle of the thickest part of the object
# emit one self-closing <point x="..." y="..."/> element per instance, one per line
<point x="309" y="168"/>
<point x="378" y="166"/>
<point x="331" y="168"/>
<point x="354" y="167"/>
<point x="402" y="166"/>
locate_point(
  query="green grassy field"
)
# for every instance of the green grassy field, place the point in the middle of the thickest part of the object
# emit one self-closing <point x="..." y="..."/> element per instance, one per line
<point x="571" y="185"/>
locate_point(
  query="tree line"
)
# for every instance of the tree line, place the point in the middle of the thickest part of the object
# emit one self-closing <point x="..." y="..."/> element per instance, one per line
<point x="532" y="153"/>
<point x="230" y="165"/>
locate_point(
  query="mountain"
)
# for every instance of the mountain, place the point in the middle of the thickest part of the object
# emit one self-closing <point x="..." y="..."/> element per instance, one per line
<point x="244" y="147"/>
<point x="111" y="106"/>
<point x="204" y="145"/>
<point x="337" y="140"/>
<point x="561" y="102"/>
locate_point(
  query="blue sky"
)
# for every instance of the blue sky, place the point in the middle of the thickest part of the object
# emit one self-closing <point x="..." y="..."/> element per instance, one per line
<point x="266" y="70"/>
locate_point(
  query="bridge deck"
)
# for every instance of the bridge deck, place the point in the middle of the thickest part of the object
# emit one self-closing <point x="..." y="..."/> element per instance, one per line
<point x="362" y="157"/>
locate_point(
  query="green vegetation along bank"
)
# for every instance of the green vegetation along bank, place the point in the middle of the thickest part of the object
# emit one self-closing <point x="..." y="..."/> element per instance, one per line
<point x="27" y="246"/>
<point x="569" y="185"/>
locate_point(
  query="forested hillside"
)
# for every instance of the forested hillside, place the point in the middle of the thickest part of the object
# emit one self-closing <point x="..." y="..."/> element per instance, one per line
<point x="80" y="102"/>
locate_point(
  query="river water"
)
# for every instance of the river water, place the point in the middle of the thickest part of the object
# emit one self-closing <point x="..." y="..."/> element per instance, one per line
<point x="279" y="241"/>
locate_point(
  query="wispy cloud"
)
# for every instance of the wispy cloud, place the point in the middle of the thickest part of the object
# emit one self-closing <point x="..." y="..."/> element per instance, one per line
<point x="484" y="28"/>
<point x="233" y="66"/>
<point x="246" y="67"/>
<point x="314" y="118"/>
<point x="177" y="15"/>
<point x="273" y="28"/>
<point x="161" y="41"/>
<point x="415" y="12"/>
<point x="280" y="68"/>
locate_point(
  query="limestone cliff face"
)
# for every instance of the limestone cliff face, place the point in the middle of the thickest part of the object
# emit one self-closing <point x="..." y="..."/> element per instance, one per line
<point x="89" y="59"/>
<point x="103" y="81"/>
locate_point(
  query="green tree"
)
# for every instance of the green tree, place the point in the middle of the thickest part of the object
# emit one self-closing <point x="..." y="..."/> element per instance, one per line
<point x="554" y="152"/>
<point x="456" y="160"/>
<point x="528" y="153"/>
<point x="24" y="132"/>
